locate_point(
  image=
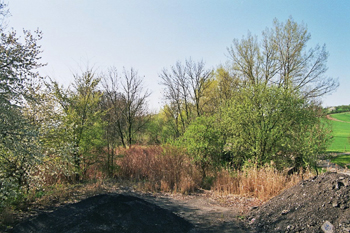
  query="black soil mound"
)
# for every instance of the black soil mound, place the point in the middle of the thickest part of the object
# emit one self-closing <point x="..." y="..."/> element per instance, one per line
<point x="320" y="204"/>
<point x="107" y="213"/>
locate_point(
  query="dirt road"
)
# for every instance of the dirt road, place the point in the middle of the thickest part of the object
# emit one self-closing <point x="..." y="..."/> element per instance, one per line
<point x="205" y="211"/>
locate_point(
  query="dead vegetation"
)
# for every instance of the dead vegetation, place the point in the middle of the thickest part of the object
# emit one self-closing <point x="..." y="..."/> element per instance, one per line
<point x="156" y="168"/>
<point x="262" y="183"/>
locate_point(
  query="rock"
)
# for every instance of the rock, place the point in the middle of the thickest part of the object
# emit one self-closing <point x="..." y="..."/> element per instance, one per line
<point x="327" y="227"/>
<point x="284" y="212"/>
<point x="252" y="221"/>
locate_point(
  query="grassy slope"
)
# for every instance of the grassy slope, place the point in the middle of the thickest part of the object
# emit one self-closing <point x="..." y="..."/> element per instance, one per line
<point x="341" y="132"/>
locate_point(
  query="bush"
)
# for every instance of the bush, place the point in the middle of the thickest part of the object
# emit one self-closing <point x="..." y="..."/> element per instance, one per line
<point x="204" y="142"/>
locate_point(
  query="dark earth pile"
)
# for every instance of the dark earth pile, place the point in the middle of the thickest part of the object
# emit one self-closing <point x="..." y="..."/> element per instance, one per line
<point x="107" y="213"/>
<point x="307" y="206"/>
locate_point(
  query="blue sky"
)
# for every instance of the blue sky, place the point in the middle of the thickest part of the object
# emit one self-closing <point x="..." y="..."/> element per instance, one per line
<point x="150" y="35"/>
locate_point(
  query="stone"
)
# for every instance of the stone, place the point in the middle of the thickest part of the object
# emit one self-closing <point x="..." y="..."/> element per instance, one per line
<point x="284" y="212"/>
<point x="327" y="227"/>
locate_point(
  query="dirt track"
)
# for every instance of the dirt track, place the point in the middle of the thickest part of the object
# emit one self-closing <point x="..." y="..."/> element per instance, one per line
<point x="206" y="214"/>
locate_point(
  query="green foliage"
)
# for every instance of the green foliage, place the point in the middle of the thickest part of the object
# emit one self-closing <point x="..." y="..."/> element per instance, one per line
<point x="19" y="144"/>
<point x="269" y="123"/>
<point x="80" y="125"/>
<point x="340" y="109"/>
<point x="154" y="130"/>
<point x="204" y="142"/>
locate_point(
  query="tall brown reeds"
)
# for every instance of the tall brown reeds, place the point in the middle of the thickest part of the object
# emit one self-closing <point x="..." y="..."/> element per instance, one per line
<point x="262" y="183"/>
<point x="160" y="168"/>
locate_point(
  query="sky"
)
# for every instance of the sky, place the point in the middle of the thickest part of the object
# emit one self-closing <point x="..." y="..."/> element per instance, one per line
<point x="154" y="34"/>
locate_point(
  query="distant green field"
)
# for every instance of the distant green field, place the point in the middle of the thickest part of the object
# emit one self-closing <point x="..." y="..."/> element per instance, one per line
<point x="341" y="132"/>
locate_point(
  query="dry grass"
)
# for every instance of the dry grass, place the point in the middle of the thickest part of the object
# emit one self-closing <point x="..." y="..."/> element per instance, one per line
<point x="159" y="168"/>
<point x="262" y="183"/>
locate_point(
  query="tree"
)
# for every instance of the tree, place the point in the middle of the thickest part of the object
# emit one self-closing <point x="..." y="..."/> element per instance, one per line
<point x="185" y="88"/>
<point x="271" y="123"/>
<point x="126" y="102"/>
<point x="19" y="147"/>
<point x="200" y="80"/>
<point x="282" y="58"/>
<point x="221" y="90"/>
<point x="135" y="110"/>
<point x="111" y="103"/>
<point x="47" y="116"/>
<point x="82" y="117"/>
<point x="177" y="95"/>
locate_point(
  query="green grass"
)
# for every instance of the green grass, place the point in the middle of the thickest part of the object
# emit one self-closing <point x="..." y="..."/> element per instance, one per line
<point x="341" y="132"/>
<point x="342" y="160"/>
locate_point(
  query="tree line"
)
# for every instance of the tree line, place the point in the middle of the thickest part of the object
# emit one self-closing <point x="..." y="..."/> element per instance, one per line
<point x="260" y="107"/>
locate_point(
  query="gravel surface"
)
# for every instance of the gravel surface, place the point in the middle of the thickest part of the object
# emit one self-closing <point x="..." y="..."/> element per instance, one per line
<point x="320" y="202"/>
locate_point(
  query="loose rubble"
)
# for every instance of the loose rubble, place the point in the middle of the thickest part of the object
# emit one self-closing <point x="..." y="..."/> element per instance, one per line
<point x="320" y="204"/>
